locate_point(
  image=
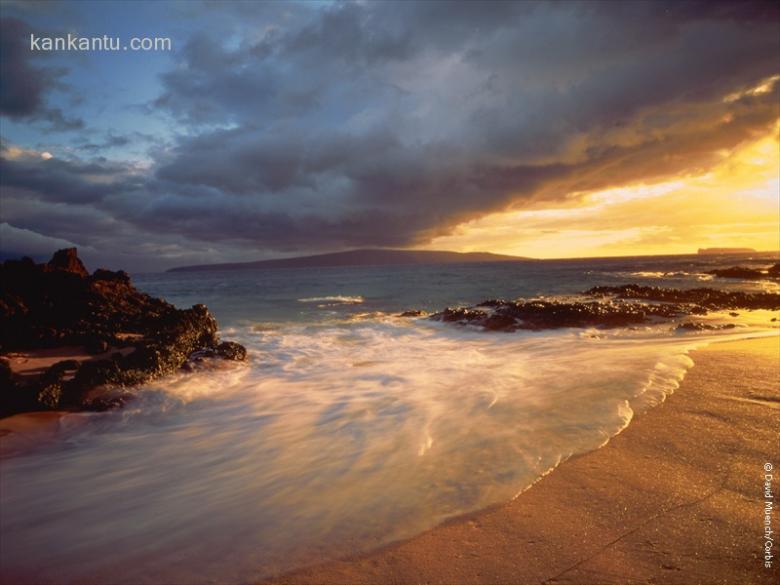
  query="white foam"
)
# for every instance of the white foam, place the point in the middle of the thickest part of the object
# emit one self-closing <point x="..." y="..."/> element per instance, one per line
<point x="333" y="437"/>
<point x="347" y="300"/>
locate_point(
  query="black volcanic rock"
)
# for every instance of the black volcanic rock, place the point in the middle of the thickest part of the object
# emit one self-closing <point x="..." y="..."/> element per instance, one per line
<point x="699" y="326"/>
<point x="58" y="304"/>
<point x="48" y="389"/>
<point x="740" y="272"/>
<point x="499" y="322"/>
<point x="744" y="273"/>
<point x="492" y="303"/>
<point x="460" y="315"/>
<point x="538" y="315"/>
<point x="619" y="307"/>
<point x="230" y="350"/>
<point x="412" y="313"/>
<point x="118" y="276"/>
<point x="5" y="372"/>
<point x="40" y="307"/>
<point x="704" y="298"/>
<point x="67" y="260"/>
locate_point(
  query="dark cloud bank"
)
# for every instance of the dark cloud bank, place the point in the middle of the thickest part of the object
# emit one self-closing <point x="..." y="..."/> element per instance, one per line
<point x="387" y="124"/>
<point x="24" y="84"/>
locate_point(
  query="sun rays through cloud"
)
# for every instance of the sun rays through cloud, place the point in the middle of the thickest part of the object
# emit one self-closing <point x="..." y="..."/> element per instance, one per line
<point x="734" y="204"/>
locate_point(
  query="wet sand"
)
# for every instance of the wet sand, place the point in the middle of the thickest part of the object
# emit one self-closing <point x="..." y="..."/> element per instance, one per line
<point x="33" y="363"/>
<point x="677" y="498"/>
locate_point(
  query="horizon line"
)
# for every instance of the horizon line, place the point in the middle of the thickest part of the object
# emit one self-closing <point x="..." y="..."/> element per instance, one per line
<point x="510" y="257"/>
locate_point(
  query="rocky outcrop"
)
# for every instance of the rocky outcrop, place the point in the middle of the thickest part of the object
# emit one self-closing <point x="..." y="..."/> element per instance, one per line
<point x="743" y="273"/>
<point x="699" y="326"/>
<point x="132" y="336"/>
<point x="704" y="298"/>
<point x="67" y="260"/>
<point x="616" y="307"/>
<point x="538" y="315"/>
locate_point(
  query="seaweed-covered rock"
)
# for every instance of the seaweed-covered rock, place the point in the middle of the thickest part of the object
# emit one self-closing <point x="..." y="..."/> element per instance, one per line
<point x="59" y="304"/>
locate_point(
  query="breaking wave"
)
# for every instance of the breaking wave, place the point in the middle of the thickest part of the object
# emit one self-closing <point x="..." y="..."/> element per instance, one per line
<point x="335" y="437"/>
<point x="354" y="300"/>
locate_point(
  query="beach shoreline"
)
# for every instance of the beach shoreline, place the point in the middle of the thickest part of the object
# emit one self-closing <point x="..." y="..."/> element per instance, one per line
<point x="650" y="506"/>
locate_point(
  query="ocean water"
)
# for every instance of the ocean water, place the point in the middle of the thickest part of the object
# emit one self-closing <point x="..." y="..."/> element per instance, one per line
<point x="347" y="428"/>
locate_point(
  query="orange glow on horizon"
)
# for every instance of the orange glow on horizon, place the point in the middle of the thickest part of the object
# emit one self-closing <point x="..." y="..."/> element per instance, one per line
<point x="735" y="204"/>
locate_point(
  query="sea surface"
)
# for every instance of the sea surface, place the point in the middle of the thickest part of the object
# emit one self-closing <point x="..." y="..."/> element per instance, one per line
<point x="348" y="427"/>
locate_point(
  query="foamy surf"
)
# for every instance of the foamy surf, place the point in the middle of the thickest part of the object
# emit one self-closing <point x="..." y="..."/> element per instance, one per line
<point x="669" y="275"/>
<point x="347" y="300"/>
<point x="337" y="436"/>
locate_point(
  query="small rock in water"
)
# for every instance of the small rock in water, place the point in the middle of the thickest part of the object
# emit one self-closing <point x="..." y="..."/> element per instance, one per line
<point x="698" y="326"/>
<point x="230" y="350"/>
<point x="414" y="313"/>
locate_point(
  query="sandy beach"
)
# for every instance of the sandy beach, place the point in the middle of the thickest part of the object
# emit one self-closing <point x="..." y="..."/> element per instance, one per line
<point x="676" y="498"/>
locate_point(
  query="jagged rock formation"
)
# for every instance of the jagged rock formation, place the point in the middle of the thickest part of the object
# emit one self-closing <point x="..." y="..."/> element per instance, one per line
<point x="128" y="336"/>
<point x="707" y="298"/>
<point x="499" y="315"/>
<point x="617" y="307"/>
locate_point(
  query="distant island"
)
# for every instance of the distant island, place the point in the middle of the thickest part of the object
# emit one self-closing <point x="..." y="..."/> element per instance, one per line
<point x="713" y="251"/>
<point x="366" y="257"/>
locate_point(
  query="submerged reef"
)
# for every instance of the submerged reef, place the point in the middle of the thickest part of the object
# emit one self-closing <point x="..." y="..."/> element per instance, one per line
<point x="114" y="335"/>
<point x="617" y="306"/>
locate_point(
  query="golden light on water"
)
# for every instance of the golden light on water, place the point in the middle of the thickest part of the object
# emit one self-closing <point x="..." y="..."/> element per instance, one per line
<point x="735" y="204"/>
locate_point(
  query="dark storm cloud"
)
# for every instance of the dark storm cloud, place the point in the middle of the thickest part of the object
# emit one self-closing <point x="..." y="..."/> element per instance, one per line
<point x="75" y="223"/>
<point x="323" y="127"/>
<point x="64" y="181"/>
<point x="217" y="85"/>
<point x="420" y="116"/>
<point x="24" y="85"/>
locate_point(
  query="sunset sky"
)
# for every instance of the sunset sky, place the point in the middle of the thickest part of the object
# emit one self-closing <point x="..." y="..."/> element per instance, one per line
<point x="286" y="128"/>
<point x="733" y="203"/>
